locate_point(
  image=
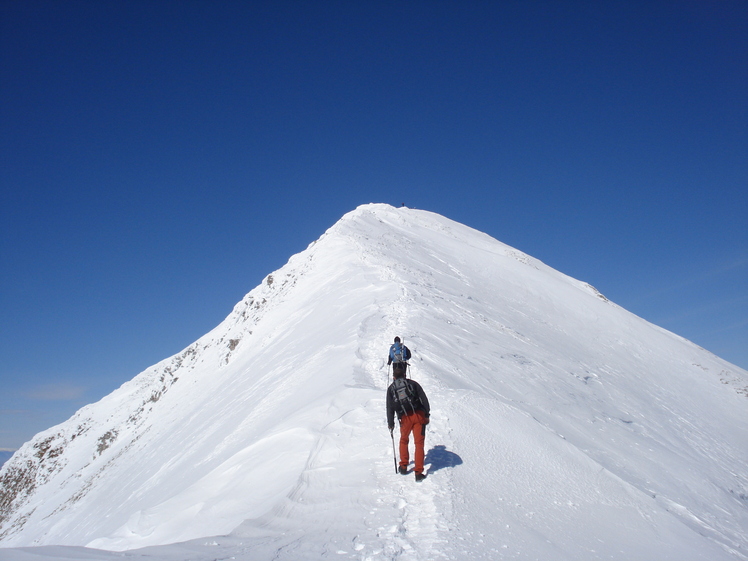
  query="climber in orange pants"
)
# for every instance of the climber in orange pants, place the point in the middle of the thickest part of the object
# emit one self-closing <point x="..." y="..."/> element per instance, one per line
<point x="415" y="423"/>
<point x="407" y="398"/>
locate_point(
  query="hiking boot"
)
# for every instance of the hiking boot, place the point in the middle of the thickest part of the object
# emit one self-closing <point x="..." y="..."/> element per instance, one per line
<point x="420" y="476"/>
<point x="403" y="470"/>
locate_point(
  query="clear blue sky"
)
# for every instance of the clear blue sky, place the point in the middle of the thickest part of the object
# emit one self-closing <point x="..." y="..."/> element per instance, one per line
<point x="158" y="159"/>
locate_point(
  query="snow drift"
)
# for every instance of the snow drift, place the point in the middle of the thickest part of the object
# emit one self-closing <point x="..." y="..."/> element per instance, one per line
<point x="563" y="427"/>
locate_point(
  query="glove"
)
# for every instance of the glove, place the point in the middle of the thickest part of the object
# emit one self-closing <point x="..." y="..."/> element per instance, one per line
<point x="427" y="420"/>
<point x="391" y="427"/>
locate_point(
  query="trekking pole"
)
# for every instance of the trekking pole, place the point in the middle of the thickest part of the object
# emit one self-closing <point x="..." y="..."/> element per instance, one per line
<point x="394" y="456"/>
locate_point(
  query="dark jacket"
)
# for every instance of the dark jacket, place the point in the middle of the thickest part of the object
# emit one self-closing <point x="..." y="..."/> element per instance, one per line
<point x="392" y="405"/>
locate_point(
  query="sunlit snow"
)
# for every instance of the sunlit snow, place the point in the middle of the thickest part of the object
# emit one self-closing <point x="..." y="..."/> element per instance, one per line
<point x="563" y="427"/>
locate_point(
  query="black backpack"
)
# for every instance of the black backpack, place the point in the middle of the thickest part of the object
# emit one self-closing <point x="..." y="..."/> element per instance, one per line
<point x="405" y="396"/>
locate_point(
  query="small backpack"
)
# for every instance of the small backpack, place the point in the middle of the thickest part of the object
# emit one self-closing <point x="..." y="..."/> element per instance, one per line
<point x="400" y="352"/>
<point x="406" y="398"/>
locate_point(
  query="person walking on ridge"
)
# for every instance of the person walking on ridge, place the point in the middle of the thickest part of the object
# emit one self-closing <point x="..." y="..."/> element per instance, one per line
<point x="400" y="355"/>
<point x="407" y="399"/>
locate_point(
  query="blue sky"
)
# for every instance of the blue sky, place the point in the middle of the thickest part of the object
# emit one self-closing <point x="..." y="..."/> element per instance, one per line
<point x="158" y="159"/>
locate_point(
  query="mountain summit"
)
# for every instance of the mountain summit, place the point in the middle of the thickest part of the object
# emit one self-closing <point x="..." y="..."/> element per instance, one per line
<point x="563" y="427"/>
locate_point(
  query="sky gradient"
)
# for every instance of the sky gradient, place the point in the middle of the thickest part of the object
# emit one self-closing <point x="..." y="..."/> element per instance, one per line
<point x="158" y="159"/>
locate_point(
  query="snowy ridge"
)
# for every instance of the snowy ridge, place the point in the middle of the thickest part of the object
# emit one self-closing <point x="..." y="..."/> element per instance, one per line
<point x="563" y="426"/>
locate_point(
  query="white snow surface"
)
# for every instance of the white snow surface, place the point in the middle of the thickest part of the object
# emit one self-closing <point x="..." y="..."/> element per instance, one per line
<point x="563" y="427"/>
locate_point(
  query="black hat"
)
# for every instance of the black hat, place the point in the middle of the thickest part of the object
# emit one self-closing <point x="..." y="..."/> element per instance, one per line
<point x="397" y="339"/>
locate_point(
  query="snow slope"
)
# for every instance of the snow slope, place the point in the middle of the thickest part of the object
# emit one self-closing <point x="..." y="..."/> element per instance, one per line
<point x="563" y="427"/>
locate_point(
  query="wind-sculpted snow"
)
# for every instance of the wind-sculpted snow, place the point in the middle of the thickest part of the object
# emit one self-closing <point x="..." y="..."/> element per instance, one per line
<point x="563" y="427"/>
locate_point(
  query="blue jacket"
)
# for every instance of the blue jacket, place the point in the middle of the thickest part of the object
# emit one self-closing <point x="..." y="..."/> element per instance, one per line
<point x="395" y="348"/>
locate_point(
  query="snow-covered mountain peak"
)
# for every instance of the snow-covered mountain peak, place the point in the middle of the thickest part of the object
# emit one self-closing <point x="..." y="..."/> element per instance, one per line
<point x="562" y="424"/>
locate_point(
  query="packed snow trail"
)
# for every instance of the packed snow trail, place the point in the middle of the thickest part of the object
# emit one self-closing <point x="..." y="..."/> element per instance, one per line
<point x="562" y="426"/>
<point x="390" y="515"/>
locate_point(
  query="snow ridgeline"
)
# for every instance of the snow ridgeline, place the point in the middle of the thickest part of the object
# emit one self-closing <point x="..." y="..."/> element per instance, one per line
<point x="563" y="427"/>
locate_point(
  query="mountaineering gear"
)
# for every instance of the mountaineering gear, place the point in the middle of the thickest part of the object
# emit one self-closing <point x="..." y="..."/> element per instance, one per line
<point x="398" y="357"/>
<point x="420" y="476"/>
<point x="403" y="470"/>
<point x="394" y="455"/>
<point x="407" y="399"/>
<point x="414" y="399"/>
<point x="399" y="353"/>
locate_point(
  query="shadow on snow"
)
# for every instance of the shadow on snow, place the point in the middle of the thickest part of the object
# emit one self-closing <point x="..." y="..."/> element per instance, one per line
<point x="439" y="457"/>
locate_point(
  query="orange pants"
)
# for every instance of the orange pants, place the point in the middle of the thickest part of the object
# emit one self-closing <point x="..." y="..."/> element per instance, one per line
<point x="415" y="423"/>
